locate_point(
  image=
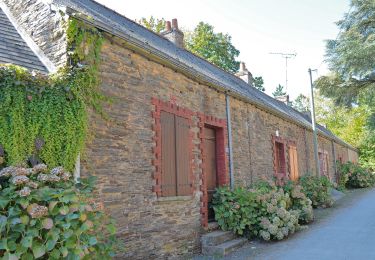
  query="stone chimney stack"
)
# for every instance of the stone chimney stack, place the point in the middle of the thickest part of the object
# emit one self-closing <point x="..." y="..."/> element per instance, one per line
<point x="244" y="74"/>
<point x="284" y="99"/>
<point x="173" y="34"/>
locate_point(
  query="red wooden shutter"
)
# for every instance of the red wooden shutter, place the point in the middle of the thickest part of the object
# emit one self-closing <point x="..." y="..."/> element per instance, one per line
<point x="182" y="156"/>
<point x="168" y="151"/>
<point x="293" y="163"/>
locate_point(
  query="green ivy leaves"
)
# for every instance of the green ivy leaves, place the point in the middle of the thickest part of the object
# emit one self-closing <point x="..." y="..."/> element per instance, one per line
<point x="60" y="122"/>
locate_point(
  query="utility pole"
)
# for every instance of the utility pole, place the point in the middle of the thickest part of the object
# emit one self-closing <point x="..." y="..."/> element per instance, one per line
<point x="286" y="56"/>
<point x="315" y="135"/>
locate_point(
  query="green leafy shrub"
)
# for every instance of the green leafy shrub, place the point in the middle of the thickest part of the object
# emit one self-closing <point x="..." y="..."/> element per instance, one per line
<point x="276" y="219"/>
<point x="317" y="189"/>
<point x="235" y="211"/>
<point x="44" y="214"/>
<point x="300" y="202"/>
<point x="357" y="176"/>
<point x="264" y="210"/>
<point x="343" y="175"/>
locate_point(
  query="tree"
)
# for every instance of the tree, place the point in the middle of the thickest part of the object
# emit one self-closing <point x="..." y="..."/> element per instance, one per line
<point x="351" y="82"/>
<point x="301" y="103"/>
<point x="258" y="83"/>
<point x="153" y="24"/>
<point x="217" y="48"/>
<point x="347" y="123"/>
<point x="279" y="92"/>
<point x="351" y="57"/>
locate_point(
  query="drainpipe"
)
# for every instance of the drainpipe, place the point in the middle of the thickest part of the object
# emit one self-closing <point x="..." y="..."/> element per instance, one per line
<point x="334" y="158"/>
<point x="229" y="127"/>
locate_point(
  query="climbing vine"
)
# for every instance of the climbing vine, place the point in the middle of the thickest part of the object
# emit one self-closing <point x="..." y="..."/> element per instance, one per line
<point x="45" y="118"/>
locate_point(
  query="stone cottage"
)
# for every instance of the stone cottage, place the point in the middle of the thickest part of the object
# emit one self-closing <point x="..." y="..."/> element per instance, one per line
<point x="180" y="126"/>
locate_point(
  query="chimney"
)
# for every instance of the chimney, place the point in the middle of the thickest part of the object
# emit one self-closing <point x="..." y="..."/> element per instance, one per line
<point x="244" y="74"/>
<point x="284" y="99"/>
<point x="173" y="34"/>
<point x="307" y="114"/>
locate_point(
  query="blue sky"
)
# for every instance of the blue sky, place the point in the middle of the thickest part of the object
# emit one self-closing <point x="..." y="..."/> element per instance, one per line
<point x="258" y="27"/>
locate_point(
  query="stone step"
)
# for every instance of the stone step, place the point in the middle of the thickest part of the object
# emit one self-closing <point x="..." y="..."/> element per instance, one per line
<point x="216" y="237"/>
<point x="224" y="248"/>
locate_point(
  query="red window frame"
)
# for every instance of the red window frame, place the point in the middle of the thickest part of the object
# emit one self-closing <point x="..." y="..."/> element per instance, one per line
<point x="172" y="108"/>
<point x="279" y="159"/>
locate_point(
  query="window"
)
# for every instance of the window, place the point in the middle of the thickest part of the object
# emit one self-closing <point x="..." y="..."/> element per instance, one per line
<point x="175" y="159"/>
<point x="293" y="163"/>
<point x="279" y="157"/>
<point x="323" y="163"/>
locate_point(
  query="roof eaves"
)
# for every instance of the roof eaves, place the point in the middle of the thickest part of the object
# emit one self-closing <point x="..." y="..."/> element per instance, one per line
<point x="153" y="44"/>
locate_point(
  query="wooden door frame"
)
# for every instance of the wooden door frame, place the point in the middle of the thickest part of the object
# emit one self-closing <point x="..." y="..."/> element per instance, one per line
<point x="220" y="126"/>
<point x="277" y="139"/>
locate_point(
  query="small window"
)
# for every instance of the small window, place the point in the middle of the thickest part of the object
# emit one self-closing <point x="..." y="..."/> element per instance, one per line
<point x="175" y="161"/>
<point x="293" y="163"/>
<point x="279" y="155"/>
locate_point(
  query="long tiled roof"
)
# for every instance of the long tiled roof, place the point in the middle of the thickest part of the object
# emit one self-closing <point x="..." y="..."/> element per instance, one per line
<point x="137" y="35"/>
<point x="13" y="49"/>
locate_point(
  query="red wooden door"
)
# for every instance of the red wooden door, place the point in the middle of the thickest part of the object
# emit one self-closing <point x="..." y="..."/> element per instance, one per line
<point x="210" y="164"/>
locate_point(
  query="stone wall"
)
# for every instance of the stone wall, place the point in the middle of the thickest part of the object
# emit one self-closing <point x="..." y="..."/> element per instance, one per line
<point x="121" y="151"/>
<point x="44" y="26"/>
<point x="252" y="142"/>
<point x="121" y="154"/>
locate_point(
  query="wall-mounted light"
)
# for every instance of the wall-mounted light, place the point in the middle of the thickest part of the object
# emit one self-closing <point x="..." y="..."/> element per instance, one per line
<point x="277" y="133"/>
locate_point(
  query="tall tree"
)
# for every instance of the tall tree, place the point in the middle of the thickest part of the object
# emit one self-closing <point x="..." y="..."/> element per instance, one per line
<point x="258" y="83"/>
<point x="153" y="24"/>
<point x="351" y="57"/>
<point x="217" y="48"/>
<point x="347" y="123"/>
<point x="279" y="91"/>
<point x="351" y="82"/>
<point x="301" y="103"/>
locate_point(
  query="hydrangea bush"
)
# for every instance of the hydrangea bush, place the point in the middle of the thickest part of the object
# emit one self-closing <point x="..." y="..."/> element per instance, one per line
<point x="235" y="210"/>
<point x="356" y="176"/>
<point x="264" y="210"/>
<point x="317" y="189"/>
<point x="300" y="202"/>
<point x="44" y="214"/>
<point x="277" y="220"/>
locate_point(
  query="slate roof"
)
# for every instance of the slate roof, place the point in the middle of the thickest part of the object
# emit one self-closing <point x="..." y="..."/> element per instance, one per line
<point x="14" y="50"/>
<point x="137" y="35"/>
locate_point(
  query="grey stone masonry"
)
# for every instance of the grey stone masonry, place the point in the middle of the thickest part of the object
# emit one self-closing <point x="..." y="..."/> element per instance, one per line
<point x="220" y="243"/>
<point x="44" y="25"/>
<point x="13" y="49"/>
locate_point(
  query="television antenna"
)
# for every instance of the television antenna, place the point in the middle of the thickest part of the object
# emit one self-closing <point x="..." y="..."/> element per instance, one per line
<point x="286" y="56"/>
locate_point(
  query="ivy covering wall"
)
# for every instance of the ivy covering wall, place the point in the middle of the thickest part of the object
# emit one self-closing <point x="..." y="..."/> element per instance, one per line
<point x="45" y="118"/>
